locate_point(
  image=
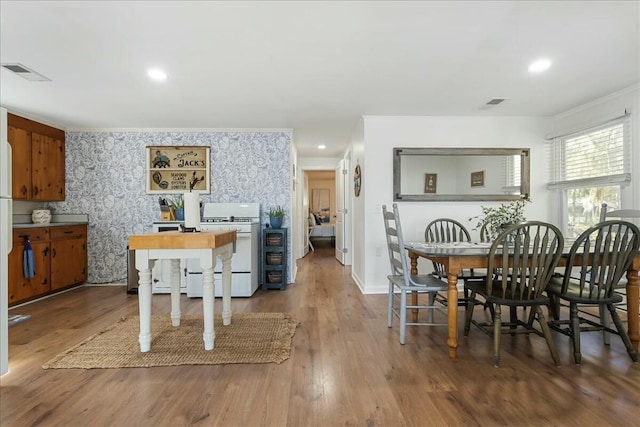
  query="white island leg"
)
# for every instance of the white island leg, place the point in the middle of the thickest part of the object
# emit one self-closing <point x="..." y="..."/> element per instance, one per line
<point x="144" y="265"/>
<point x="225" y="253"/>
<point x="207" y="264"/>
<point x="175" y="292"/>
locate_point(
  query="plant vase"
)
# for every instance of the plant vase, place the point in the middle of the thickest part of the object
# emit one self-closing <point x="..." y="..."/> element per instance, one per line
<point x="275" y="221"/>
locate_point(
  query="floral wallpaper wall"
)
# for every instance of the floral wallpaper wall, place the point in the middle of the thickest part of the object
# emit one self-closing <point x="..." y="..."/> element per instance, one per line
<point x="105" y="178"/>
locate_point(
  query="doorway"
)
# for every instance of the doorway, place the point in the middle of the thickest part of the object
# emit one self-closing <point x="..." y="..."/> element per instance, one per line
<point x="321" y="211"/>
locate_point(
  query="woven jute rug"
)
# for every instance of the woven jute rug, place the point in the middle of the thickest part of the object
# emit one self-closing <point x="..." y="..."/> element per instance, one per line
<point x="250" y="338"/>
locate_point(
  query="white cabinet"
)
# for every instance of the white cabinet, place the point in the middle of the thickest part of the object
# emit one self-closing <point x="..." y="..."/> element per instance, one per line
<point x="161" y="277"/>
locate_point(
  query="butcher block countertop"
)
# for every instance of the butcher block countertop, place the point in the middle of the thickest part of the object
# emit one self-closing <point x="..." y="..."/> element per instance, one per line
<point x="49" y="224"/>
<point x="179" y="240"/>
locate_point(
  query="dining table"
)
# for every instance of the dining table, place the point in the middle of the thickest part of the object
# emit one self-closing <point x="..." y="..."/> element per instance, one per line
<point x="456" y="256"/>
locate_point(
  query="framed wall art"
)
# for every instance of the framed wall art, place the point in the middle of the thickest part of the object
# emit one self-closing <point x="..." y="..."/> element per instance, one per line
<point x="357" y="181"/>
<point x="178" y="169"/>
<point x="477" y="179"/>
<point x="430" y="182"/>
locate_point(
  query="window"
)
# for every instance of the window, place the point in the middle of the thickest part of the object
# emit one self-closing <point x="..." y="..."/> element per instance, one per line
<point x="512" y="175"/>
<point x="590" y="168"/>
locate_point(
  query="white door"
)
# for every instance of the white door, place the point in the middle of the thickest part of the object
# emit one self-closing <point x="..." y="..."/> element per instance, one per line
<point x="341" y="173"/>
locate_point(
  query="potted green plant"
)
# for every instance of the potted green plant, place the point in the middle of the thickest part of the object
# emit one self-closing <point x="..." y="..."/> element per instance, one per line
<point x="177" y="203"/>
<point x="276" y="215"/>
<point x="496" y="219"/>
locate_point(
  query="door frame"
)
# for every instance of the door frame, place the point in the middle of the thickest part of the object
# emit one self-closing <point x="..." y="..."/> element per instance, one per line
<point x="319" y="164"/>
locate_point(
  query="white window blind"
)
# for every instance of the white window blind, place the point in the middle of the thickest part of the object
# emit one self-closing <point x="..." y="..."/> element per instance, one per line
<point x="598" y="156"/>
<point x="512" y="172"/>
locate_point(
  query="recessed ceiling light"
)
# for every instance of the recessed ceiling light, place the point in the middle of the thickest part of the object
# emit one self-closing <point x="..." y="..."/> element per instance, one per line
<point x="321" y="147"/>
<point x="540" y="65"/>
<point x="157" y="74"/>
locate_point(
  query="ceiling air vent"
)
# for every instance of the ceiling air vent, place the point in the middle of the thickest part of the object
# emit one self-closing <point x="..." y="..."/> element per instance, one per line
<point x="496" y="101"/>
<point x="26" y="73"/>
<point x="492" y="103"/>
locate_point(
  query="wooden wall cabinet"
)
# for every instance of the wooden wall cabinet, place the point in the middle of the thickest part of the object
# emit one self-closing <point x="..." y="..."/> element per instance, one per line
<point x="60" y="254"/>
<point x="38" y="160"/>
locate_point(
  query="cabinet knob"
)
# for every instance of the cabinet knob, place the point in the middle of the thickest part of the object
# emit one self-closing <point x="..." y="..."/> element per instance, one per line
<point x="35" y="190"/>
<point x="24" y="190"/>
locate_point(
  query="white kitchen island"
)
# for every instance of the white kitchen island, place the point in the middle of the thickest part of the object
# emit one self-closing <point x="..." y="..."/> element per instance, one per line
<point x="205" y="246"/>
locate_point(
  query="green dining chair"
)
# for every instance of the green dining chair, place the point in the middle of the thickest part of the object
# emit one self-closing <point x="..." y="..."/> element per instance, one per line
<point x="448" y="230"/>
<point x="631" y="215"/>
<point x="526" y="254"/>
<point x="611" y="246"/>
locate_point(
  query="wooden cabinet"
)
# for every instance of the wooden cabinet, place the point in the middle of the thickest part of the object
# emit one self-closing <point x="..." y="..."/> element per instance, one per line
<point x="60" y="255"/>
<point x="20" y="288"/>
<point x="38" y="160"/>
<point x="47" y="168"/>
<point x="274" y="258"/>
<point x="20" y="141"/>
<point x="68" y="256"/>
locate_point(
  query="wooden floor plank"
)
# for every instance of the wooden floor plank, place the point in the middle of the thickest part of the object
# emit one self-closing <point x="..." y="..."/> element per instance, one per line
<point x="346" y="368"/>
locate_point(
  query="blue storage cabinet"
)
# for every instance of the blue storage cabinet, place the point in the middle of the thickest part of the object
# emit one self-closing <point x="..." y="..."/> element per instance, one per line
<point x="274" y="258"/>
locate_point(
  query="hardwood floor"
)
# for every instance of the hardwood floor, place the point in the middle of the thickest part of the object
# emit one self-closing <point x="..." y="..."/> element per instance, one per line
<point x="346" y="368"/>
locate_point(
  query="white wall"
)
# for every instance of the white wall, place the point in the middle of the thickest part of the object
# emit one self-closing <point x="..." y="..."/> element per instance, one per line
<point x="358" y="264"/>
<point x="297" y="245"/>
<point x="381" y="134"/>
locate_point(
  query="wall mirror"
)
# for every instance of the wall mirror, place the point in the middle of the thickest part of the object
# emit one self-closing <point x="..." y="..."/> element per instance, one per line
<point x="460" y="174"/>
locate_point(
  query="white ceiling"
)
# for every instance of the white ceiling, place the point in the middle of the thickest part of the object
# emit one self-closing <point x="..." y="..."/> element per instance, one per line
<point x="315" y="67"/>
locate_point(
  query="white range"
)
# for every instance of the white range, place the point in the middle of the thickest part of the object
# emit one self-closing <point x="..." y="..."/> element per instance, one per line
<point x="245" y="219"/>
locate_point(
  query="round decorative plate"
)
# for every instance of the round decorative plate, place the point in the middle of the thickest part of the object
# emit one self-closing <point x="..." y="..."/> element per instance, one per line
<point x="357" y="180"/>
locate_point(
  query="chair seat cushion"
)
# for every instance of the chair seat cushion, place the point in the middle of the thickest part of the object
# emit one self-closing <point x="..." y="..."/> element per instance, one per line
<point x="496" y="296"/>
<point x="573" y="293"/>
<point x="426" y="281"/>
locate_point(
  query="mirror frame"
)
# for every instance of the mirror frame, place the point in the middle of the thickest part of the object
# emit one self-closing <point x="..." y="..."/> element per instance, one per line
<point x="398" y="152"/>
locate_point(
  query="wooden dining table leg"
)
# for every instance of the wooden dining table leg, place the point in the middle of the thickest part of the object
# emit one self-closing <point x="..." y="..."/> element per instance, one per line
<point x="633" y="302"/>
<point x="414" y="295"/>
<point x="452" y="311"/>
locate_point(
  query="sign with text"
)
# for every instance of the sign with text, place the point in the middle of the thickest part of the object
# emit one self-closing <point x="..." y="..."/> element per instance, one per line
<point x="178" y="169"/>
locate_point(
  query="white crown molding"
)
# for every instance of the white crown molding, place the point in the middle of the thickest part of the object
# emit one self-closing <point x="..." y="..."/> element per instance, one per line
<point x="598" y="101"/>
<point x="190" y="130"/>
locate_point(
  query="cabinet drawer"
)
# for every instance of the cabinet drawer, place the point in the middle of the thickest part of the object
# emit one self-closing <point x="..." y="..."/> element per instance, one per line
<point x="68" y="232"/>
<point x="39" y="234"/>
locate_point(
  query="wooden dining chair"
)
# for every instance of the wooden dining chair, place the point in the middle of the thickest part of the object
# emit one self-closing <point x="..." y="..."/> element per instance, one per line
<point x="401" y="280"/>
<point x="611" y="246"/>
<point x="446" y="230"/>
<point x="527" y="254"/>
<point x="631" y="215"/>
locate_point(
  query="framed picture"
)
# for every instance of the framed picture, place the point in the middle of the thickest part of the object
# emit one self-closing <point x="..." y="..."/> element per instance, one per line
<point x="477" y="179"/>
<point x="178" y="169"/>
<point x="357" y="181"/>
<point x="430" y="182"/>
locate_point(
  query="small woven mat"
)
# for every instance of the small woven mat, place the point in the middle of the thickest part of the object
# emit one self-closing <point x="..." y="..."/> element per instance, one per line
<point x="250" y="338"/>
